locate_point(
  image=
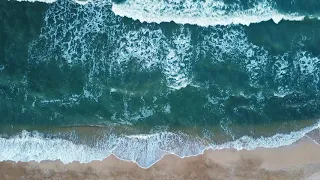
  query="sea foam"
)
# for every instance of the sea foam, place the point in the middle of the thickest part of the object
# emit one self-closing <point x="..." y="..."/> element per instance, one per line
<point x="145" y="150"/>
<point x="202" y="13"/>
<point x="143" y="44"/>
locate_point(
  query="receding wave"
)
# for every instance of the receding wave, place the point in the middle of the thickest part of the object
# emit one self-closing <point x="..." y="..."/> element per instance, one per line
<point x="145" y="150"/>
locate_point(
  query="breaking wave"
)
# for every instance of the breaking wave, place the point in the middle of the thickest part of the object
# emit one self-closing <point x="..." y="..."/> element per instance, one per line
<point x="76" y="36"/>
<point x="202" y="13"/>
<point x="145" y="150"/>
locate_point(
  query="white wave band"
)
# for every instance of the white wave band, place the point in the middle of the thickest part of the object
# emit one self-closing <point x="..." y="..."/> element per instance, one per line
<point x="145" y="150"/>
<point x="202" y="13"/>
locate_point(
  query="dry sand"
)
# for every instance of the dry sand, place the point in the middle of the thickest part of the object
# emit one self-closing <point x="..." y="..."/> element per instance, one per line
<point x="297" y="161"/>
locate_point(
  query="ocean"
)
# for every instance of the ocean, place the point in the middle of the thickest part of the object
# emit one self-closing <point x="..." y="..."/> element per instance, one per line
<point x="81" y="80"/>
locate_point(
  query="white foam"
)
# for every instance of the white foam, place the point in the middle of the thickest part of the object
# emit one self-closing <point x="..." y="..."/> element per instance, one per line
<point x="145" y="150"/>
<point x="275" y="141"/>
<point x="308" y="66"/>
<point x="68" y="35"/>
<point x="296" y="67"/>
<point x="142" y="149"/>
<point x="150" y="50"/>
<point x="202" y="13"/>
<point x="281" y="70"/>
<point x="83" y="2"/>
<point x="231" y="43"/>
<point x="176" y="65"/>
<point x="142" y="46"/>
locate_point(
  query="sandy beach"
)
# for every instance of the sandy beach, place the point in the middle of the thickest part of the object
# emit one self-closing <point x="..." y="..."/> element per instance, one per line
<point x="300" y="160"/>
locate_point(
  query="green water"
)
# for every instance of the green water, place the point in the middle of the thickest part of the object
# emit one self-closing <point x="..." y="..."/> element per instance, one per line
<point x="65" y="65"/>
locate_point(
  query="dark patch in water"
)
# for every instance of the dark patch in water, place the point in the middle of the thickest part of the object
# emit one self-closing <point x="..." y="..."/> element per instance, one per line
<point x="118" y="1"/>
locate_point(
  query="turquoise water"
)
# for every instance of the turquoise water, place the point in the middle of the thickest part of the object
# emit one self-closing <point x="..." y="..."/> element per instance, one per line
<point x="156" y="77"/>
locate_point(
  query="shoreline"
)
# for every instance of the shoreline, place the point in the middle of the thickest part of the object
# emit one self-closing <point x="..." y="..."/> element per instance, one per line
<point x="299" y="160"/>
<point x="217" y="134"/>
<point x="144" y="150"/>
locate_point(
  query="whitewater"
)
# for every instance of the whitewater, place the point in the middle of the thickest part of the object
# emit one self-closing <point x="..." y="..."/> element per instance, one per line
<point x="202" y="13"/>
<point x="144" y="150"/>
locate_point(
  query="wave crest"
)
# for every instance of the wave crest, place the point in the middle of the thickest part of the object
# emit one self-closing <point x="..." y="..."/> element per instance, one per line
<point x="202" y="13"/>
<point x="145" y="150"/>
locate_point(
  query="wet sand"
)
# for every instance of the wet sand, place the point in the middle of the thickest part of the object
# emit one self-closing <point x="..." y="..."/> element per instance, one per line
<point x="300" y="160"/>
